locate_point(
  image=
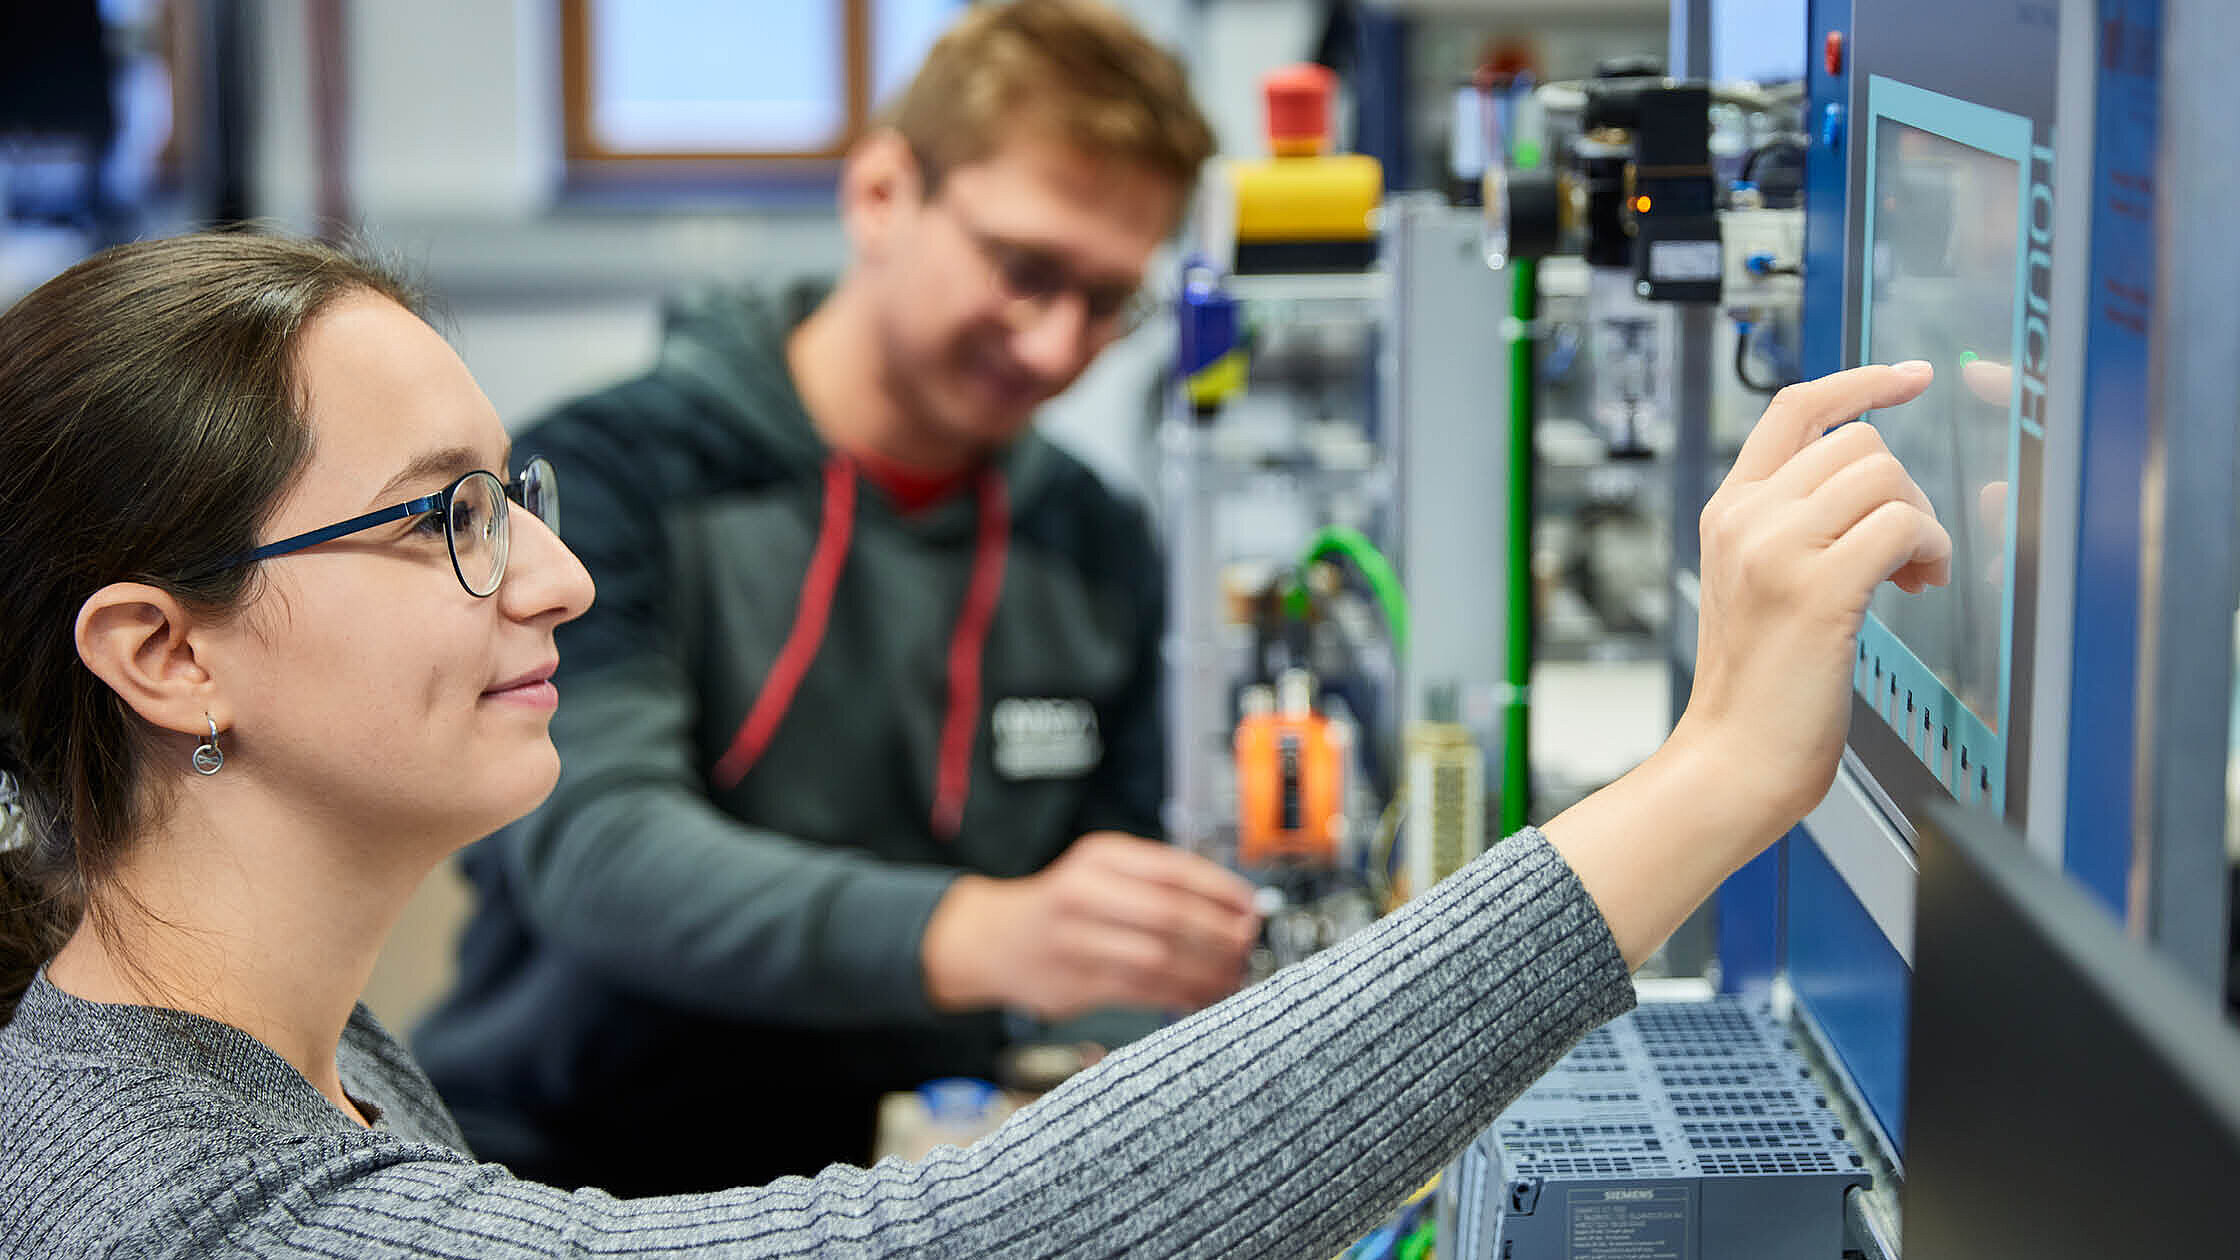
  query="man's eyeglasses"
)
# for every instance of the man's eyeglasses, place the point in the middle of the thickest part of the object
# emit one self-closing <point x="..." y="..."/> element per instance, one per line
<point x="471" y="512"/>
<point x="1032" y="280"/>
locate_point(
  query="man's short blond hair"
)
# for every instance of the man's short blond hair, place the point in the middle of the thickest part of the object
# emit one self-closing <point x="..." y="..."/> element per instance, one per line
<point x="1073" y="70"/>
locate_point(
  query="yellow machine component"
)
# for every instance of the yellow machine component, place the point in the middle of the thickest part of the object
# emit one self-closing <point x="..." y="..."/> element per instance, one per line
<point x="1332" y="197"/>
<point x="1446" y="801"/>
<point x="1216" y="382"/>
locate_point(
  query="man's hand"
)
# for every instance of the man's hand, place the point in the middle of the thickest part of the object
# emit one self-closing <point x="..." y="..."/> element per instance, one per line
<point x="1115" y="921"/>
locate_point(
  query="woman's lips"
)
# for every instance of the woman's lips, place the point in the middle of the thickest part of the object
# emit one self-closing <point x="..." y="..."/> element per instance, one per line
<point x="540" y="694"/>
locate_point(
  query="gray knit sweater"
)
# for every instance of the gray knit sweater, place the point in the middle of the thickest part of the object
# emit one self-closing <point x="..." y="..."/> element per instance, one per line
<point x="1282" y="1122"/>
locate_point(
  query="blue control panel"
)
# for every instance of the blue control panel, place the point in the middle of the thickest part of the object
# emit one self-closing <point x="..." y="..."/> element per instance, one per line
<point x="1928" y="235"/>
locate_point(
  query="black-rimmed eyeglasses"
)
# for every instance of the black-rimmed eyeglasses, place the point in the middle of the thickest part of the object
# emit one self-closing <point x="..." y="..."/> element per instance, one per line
<point x="472" y="512"/>
<point x="1031" y="280"/>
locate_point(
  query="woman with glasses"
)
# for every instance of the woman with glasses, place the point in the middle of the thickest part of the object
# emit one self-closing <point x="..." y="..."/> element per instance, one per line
<point x="278" y="639"/>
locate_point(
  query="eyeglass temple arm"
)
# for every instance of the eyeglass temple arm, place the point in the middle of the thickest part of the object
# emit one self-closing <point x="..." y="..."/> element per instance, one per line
<point x="425" y="503"/>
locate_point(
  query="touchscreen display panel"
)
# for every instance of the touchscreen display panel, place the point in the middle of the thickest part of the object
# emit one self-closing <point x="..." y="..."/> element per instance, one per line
<point x="1944" y="281"/>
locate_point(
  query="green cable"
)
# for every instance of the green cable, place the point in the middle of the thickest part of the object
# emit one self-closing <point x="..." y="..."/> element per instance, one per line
<point x="1384" y="583"/>
<point x="1516" y="718"/>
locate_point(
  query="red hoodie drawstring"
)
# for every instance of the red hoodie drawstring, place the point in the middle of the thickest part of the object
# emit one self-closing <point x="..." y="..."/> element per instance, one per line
<point x="834" y="533"/>
<point x="967" y="643"/>
<point x="953" y="781"/>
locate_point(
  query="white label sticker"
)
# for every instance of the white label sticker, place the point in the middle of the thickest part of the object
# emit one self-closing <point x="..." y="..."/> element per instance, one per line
<point x="1045" y="738"/>
<point x="1631" y="1223"/>
<point x="1682" y="262"/>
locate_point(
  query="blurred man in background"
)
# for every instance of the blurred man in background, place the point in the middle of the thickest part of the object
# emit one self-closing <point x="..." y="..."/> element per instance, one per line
<point x="861" y="738"/>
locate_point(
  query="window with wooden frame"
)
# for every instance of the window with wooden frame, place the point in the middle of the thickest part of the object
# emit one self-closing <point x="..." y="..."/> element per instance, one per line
<point x="696" y="82"/>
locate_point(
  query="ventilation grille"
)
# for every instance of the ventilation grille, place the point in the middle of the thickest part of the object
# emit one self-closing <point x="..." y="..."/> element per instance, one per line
<point x="1674" y="1090"/>
<point x="1740" y="1101"/>
<point x="1765" y="1163"/>
<point x="1757" y="1135"/>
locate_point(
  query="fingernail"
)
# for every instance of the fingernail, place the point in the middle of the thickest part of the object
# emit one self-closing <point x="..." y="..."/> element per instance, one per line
<point x="1915" y="366"/>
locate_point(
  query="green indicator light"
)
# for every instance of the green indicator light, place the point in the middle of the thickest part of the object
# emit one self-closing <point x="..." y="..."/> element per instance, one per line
<point x="1968" y="356"/>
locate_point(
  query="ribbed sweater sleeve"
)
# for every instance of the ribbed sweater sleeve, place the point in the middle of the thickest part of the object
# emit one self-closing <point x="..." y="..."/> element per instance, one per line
<point x="1282" y="1122"/>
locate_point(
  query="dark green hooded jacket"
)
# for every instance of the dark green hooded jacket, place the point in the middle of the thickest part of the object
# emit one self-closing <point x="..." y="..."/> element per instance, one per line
<point x="792" y="716"/>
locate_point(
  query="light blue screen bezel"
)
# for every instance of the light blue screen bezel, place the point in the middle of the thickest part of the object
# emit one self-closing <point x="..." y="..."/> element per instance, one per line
<point x="1888" y="672"/>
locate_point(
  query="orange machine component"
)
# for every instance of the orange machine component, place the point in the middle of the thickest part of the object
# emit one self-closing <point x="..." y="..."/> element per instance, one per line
<point x="1291" y="766"/>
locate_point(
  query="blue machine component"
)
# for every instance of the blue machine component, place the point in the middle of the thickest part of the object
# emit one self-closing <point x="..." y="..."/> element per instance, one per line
<point x="1682" y="1130"/>
<point x="1750" y="921"/>
<point x="1930" y="168"/>
<point x="1846" y="983"/>
<point x="1210" y="358"/>
<point x="1929" y="131"/>
<point x="1825" y="168"/>
<point x="1851" y="982"/>
<point x="1931" y="134"/>
<point x="2102" y="703"/>
<point x="1379" y="89"/>
<point x="1750" y="924"/>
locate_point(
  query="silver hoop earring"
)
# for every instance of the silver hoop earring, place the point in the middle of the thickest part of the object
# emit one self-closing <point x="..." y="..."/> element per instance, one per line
<point x="15" y="832"/>
<point x="208" y="757"/>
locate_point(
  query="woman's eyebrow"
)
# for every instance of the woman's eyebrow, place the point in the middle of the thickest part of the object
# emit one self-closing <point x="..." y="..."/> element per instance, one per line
<point x="446" y="464"/>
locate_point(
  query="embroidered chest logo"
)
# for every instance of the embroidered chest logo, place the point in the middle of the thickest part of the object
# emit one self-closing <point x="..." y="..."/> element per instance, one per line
<point x="1045" y="738"/>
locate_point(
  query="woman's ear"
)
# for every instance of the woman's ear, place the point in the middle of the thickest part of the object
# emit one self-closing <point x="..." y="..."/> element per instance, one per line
<point x="139" y="639"/>
<point x="879" y="183"/>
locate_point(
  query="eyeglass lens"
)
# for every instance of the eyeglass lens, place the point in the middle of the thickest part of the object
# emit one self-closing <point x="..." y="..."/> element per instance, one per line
<point x="479" y="534"/>
<point x="480" y="529"/>
<point x="1037" y="279"/>
<point x="539" y="492"/>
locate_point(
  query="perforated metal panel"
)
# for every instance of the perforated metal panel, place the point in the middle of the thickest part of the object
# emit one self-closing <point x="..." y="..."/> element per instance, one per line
<point x="1684" y="1131"/>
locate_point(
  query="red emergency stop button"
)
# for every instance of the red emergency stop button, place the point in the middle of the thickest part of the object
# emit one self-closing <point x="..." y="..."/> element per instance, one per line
<point x="1835" y="52"/>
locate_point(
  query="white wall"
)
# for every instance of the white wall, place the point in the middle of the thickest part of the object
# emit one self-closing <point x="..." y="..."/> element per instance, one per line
<point x="455" y="164"/>
<point x="455" y="104"/>
<point x="453" y="108"/>
<point x="469" y="116"/>
<point x="283" y="178"/>
<point x="1240" y="41"/>
<point x="529" y="357"/>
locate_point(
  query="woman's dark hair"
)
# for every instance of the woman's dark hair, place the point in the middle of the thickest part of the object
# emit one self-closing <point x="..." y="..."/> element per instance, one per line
<point x="150" y="421"/>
